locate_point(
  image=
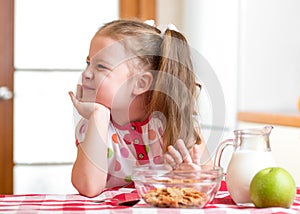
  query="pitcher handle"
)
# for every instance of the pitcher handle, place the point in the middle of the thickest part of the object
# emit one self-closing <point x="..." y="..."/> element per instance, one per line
<point x="220" y="149"/>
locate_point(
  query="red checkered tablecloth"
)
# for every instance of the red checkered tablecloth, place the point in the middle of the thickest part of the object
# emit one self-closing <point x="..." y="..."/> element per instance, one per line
<point x="52" y="203"/>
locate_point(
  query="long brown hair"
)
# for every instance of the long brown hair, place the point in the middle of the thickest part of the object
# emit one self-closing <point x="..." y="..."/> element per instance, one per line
<point x="174" y="88"/>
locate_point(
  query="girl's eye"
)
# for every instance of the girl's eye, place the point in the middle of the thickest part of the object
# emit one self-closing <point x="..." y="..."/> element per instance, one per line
<point x="102" y="67"/>
<point x="88" y="63"/>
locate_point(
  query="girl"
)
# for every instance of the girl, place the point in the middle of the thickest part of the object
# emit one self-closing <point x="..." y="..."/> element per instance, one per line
<point x="137" y="100"/>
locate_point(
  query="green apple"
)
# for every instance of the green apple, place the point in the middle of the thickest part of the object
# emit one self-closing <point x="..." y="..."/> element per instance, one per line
<point x="273" y="187"/>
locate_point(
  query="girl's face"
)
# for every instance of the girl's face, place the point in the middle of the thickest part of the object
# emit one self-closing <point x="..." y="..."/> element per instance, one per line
<point x="107" y="76"/>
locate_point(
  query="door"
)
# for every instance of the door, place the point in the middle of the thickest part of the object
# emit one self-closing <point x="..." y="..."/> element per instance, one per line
<point x="6" y="101"/>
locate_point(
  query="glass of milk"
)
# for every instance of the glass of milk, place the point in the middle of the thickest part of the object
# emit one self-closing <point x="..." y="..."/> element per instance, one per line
<point x="252" y="152"/>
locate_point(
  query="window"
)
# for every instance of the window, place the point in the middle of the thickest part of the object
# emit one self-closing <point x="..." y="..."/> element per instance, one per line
<point x="51" y="44"/>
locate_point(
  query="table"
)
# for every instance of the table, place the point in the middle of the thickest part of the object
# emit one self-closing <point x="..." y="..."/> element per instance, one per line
<point x="74" y="203"/>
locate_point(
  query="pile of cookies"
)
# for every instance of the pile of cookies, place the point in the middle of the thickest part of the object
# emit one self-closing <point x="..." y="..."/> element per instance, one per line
<point x="175" y="197"/>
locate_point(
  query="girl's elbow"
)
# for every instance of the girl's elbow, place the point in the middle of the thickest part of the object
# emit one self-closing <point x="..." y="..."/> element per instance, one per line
<point x="90" y="193"/>
<point x="87" y="189"/>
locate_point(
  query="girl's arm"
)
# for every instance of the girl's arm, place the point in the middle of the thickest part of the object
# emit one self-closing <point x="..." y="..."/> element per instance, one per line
<point x="89" y="171"/>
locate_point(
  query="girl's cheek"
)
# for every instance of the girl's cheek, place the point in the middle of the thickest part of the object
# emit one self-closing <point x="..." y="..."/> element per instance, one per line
<point x="99" y="95"/>
<point x="104" y="97"/>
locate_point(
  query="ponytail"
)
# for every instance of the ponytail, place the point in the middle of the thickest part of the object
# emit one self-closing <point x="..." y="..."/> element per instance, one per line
<point x="174" y="92"/>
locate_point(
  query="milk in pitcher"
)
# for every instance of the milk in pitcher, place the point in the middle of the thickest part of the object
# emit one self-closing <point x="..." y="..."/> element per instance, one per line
<point x="252" y="153"/>
<point x="244" y="164"/>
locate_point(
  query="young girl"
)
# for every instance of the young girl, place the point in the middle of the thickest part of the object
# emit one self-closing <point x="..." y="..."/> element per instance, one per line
<point x="137" y="100"/>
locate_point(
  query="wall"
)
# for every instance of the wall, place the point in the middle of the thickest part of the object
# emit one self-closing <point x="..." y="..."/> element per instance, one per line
<point x="170" y="11"/>
<point x="269" y="55"/>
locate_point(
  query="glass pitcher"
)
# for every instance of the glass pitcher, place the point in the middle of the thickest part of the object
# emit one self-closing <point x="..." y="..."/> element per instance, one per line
<point x="251" y="153"/>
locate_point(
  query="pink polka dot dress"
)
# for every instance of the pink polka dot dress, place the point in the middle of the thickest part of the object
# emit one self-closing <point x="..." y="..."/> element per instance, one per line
<point x="133" y="144"/>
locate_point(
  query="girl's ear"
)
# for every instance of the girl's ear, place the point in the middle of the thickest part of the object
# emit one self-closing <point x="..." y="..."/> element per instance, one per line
<point x="143" y="83"/>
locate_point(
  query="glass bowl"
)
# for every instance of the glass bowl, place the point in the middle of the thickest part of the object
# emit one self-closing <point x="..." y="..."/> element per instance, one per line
<point x="161" y="186"/>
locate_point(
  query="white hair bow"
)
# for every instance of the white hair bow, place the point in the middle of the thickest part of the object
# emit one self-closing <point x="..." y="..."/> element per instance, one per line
<point x="162" y="28"/>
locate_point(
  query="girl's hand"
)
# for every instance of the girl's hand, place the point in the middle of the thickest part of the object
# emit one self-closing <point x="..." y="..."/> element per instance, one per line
<point x="181" y="159"/>
<point x="84" y="105"/>
<point x="85" y="109"/>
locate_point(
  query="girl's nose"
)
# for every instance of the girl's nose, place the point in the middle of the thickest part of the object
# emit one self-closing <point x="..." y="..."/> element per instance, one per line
<point x="88" y="74"/>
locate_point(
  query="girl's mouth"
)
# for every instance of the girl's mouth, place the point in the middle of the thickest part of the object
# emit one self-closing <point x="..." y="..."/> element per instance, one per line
<point x="85" y="87"/>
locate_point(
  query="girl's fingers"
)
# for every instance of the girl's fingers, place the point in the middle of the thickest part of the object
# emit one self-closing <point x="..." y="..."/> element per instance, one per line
<point x="182" y="156"/>
<point x="169" y="160"/>
<point x="184" y="153"/>
<point x="73" y="98"/>
<point x="196" y="154"/>
<point x="175" y="155"/>
<point x="79" y="92"/>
